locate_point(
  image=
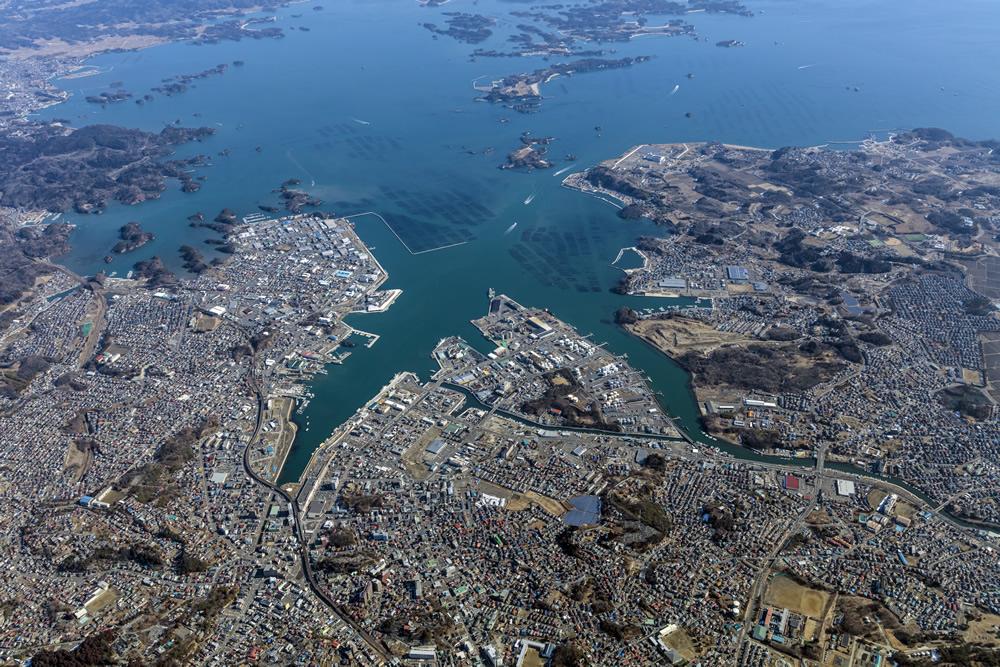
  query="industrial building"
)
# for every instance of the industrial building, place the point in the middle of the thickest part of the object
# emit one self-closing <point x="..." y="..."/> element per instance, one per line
<point x="737" y="273"/>
<point x="845" y="487"/>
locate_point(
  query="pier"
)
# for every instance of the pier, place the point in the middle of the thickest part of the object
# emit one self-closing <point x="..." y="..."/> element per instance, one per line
<point x="645" y="260"/>
<point x="372" y="338"/>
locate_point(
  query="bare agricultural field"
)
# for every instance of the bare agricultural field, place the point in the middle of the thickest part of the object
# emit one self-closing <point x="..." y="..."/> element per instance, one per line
<point x="985" y="275"/>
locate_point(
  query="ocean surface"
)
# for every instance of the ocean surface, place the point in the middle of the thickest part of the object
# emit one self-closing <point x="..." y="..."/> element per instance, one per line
<point x="372" y="113"/>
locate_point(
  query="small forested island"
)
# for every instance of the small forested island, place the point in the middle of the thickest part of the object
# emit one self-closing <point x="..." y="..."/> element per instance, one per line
<point x="188" y="184"/>
<point x="222" y="245"/>
<point x="236" y="30"/>
<point x="525" y="86"/>
<point x="106" y="97"/>
<point x="293" y="200"/>
<point x="530" y="154"/>
<point x="178" y="84"/>
<point x="132" y="237"/>
<point x="468" y="28"/>
<point x="226" y="216"/>
<point x="222" y="223"/>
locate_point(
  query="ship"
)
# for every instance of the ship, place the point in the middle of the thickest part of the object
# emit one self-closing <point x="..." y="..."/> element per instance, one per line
<point x="492" y="293"/>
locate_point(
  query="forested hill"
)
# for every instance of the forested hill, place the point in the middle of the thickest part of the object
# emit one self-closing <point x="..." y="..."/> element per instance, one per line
<point x="28" y="24"/>
<point x="56" y="170"/>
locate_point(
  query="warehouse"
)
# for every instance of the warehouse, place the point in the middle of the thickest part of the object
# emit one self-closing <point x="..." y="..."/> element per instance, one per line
<point x="845" y="487"/>
<point x="737" y="273"/>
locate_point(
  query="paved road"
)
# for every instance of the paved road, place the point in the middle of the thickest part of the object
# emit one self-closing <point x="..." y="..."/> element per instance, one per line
<point x="757" y="591"/>
<point x="375" y="645"/>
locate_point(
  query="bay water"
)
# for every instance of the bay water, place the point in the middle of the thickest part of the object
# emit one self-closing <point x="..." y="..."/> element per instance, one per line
<point x="371" y="113"/>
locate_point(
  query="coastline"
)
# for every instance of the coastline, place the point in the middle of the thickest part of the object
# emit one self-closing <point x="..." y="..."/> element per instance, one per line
<point x="393" y="295"/>
<point x="336" y="436"/>
<point x="77" y="54"/>
<point x="283" y="566"/>
<point x="596" y="193"/>
<point x="87" y="50"/>
<point x="288" y="420"/>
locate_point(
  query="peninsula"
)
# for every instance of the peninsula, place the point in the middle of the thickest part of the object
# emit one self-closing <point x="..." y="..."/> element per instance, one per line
<point x="814" y="271"/>
<point x="56" y="168"/>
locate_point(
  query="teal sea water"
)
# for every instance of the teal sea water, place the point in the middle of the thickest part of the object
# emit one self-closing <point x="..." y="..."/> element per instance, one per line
<point x="373" y="114"/>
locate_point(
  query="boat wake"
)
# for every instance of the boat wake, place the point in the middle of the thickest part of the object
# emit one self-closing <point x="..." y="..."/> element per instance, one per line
<point x="676" y="88"/>
<point x="363" y="122"/>
<point x="807" y="66"/>
<point x="510" y="229"/>
<point x="528" y="200"/>
<point x="312" y="179"/>
<point x="562" y="171"/>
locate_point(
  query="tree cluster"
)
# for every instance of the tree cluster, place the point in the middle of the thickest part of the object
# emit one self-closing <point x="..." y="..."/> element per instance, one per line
<point x="92" y="651"/>
<point x="56" y="170"/>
